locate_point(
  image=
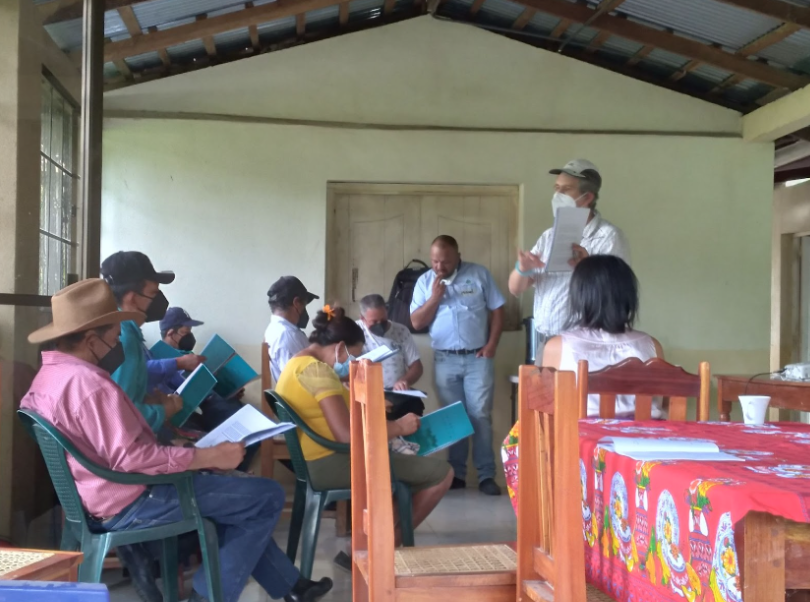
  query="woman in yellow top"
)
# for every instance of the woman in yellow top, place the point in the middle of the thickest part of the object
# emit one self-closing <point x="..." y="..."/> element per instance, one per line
<point x="311" y="384"/>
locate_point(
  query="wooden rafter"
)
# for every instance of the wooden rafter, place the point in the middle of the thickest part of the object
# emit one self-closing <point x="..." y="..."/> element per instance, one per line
<point x="597" y="41"/>
<point x="162" y="52"/>
<point x="776" y="9"/>
<point x="130" y="20"/>
<point x="690" y="49"/>
<point x="343" y="15"/>
<point x="151" y="74"/>
<point x="208" y="41"/>
<point x="681" y="72"/>
<point x="475" y="7"/>
<point x="639" y="56"/>
<point x="560" y="28"/>
<point x="772" y="37"/>
<point x="253" y="32"/>
<point x="523" y="19"/>
<point x="66" y="10"/>
<point x="300" y="24"/>
<point x="208" y="27"/>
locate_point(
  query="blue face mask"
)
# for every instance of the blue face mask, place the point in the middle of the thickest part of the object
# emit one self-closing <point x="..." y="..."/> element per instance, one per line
<point x="342" y="368"/>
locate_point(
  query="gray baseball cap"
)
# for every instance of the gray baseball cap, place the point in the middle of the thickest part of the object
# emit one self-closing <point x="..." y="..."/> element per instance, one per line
<point x="580" y="168"/>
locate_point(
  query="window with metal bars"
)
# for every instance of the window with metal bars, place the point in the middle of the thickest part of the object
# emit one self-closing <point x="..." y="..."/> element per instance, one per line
<point x="59" y="223"/>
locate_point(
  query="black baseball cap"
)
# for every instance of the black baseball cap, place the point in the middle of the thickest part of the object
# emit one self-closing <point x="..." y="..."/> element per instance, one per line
<point x="284" y="290"/>
<point x="177" y="317"/>
<point x="130" y="267"/>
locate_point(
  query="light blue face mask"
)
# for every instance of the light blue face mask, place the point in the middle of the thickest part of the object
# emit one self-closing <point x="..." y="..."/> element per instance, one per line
<point x="342" y="368"/>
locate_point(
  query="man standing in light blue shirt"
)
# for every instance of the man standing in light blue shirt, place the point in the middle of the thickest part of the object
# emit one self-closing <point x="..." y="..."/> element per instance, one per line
<point x="463" y="307"/>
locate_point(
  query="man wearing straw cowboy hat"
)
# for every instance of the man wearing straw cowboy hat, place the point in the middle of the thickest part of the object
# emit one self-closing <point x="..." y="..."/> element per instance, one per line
<point x="74" y="392"/>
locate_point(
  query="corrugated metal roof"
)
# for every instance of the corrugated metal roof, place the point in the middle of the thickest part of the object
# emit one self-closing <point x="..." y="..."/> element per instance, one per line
<point x="144" y="61"/>
<point x="544" y="23"/>
<point x="706" y="20"/>
<point x="162" y="12"/>
<point x="791" y="50"/>
<point x="502" y="10"/>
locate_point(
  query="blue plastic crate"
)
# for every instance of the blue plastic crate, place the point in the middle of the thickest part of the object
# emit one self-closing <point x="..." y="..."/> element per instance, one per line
<point x="52" y="591"/>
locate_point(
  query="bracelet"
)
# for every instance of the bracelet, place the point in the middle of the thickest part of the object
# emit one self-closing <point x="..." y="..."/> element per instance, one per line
<point x="521" y="272"/>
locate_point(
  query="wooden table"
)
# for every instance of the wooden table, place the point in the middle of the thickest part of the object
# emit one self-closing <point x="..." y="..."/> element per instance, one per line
<point x="784" y="394"/>
<point x="38" y="565"/>
<point x="773" y="554"/>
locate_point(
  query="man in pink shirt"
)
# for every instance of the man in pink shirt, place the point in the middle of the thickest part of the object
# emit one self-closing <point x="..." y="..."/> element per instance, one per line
<point x="74" y="392"/>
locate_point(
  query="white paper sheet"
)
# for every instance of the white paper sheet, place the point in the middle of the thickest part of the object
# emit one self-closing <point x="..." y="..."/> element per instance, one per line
<point x="248" y="425"/>
<point x="409" y="392"/>
<point x="569" y="224"/>
<point x="383" y="352"/>
<point x="648" y="449"/>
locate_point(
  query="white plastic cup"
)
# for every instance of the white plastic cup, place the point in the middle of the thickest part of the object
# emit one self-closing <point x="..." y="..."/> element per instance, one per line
<point x="754" y="408"/>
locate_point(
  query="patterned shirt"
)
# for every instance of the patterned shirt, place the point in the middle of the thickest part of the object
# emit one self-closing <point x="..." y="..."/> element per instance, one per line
<point x="396" y="337"/>
<point x="551" y="311"/>
<point x="86" y="406"/>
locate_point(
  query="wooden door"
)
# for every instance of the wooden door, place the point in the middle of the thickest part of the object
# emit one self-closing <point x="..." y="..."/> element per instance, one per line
<point x="374" y="230"/>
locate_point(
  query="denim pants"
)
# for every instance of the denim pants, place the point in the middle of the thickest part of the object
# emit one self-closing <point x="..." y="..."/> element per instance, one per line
<point x="470" y="380"/>
<point x="245" y="510"/>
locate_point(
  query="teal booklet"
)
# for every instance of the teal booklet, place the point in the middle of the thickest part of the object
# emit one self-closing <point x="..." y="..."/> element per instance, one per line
<point x="230" y="369"/>
<point x="441" y="429"/>
<point x="193" y="391"/>
<point x="164" y="351"/>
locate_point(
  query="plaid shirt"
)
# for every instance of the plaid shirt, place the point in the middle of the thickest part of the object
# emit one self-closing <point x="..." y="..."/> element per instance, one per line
<point x="87" y="407"/>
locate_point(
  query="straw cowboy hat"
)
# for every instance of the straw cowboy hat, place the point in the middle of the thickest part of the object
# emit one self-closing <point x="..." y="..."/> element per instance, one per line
<point x="82" y="306"/>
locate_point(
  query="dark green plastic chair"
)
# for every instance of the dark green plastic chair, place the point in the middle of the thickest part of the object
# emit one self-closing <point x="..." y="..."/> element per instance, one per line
<point x="76" y="534"/>
<point x="309" y="503"/>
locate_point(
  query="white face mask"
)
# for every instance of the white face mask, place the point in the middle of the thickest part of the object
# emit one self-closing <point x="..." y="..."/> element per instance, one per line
<point x="560" y="200"/>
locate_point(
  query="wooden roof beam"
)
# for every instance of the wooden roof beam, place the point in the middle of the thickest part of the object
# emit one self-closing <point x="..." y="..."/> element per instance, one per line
<point x="344" y="13"/>
<point x="775" y="9"/>
<point x="523" y="19"/>
<point x="476" y="6"/>
<point x="597" y="41"/>
<point x="208" y="27"/>
<point x="690" y="49"/>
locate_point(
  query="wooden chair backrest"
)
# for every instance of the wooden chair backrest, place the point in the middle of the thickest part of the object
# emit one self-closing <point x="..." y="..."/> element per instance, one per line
<point x="267" y="375"/>
<point x="372" y="504"/>
<point x="550" y="543"/>
<point x="645" y="380"/>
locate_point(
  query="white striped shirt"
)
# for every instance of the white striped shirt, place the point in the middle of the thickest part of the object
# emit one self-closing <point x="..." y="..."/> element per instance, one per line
<point x="600" y="237"/>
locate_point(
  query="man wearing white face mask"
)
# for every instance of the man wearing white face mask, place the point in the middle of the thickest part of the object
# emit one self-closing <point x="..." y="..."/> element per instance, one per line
<point x="577" y="185"/>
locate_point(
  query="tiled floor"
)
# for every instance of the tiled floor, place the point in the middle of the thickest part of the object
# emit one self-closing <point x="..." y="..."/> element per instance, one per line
<point x="462" y="517"/>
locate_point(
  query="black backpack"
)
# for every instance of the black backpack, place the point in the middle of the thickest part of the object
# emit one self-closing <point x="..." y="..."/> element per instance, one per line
<point x="399" y="301"/>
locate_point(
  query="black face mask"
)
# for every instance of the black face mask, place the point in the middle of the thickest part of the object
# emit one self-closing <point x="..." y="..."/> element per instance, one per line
<point x="303" y="319"/>
<point x="113" y="359"/>
<point x="379" y="329"/>
<point x="157" y="307"/>
<point x="187" y="342"/>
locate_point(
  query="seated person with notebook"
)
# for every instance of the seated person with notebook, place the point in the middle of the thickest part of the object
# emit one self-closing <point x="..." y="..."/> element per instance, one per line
<point x="401" y="371"/>
<point x="288" y="299"/>
<point x="311" y="384"/>
<point x="175" y="331"/>
<point x="74" y="392"/>
<point x="603" y="304"/>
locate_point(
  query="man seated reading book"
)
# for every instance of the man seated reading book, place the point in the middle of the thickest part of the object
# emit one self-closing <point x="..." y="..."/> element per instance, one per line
<point x="176" y="331"/>
<point x="74" y="392"/>
<point x="311" y="384"/>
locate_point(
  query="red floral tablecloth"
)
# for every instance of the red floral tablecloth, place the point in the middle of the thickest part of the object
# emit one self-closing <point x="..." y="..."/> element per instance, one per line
<point x="665" y="530"/>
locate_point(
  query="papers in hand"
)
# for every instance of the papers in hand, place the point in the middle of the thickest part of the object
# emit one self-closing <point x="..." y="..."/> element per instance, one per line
<point x="248" y="425"/>
<point x="408" y="393"/>
<point x="442" y="428"/>
<point x="569" y="224"/>
<point x="381" y="353"/>
<point x="193" y="392"/>
<point x="646" y="449"/>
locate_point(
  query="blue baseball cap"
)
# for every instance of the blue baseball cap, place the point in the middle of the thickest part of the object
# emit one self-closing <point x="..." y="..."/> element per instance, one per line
<point x="175" y="318"/>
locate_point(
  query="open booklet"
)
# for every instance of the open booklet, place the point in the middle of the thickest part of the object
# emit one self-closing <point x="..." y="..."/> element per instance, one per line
<point x="231" y="370"/>
<point x="569" y="224"/>
<point x="248" y="425"/>
<point x="193" y="392"/>
<point x="647" y="449"/>
<point x="381" y="353"/>
<point x="441" y="429"/>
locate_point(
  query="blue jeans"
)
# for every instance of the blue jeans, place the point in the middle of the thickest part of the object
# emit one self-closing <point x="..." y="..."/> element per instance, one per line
<point x="470" y="380"/>
<point x="245" y="510"/>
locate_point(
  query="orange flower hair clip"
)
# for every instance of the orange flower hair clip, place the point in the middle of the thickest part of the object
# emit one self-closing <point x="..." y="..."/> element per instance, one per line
<point x="327" y="309"/>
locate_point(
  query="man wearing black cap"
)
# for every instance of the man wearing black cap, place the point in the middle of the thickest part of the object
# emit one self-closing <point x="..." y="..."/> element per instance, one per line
<point x="288" y="299"/>
<point x="136" y="286"/>
<point x="577" y="185"/>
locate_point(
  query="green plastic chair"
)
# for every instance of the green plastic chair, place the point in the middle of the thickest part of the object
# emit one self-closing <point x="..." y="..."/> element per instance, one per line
<point x="76" y="534"/>
<point x="309" y="503"/>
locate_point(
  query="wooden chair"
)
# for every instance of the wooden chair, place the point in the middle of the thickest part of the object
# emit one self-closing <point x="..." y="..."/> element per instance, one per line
<point x="645" y="380"/>
<point x="551" y="551"/>
<point x="271" y="449"/>
<point x="473" y="573"/>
